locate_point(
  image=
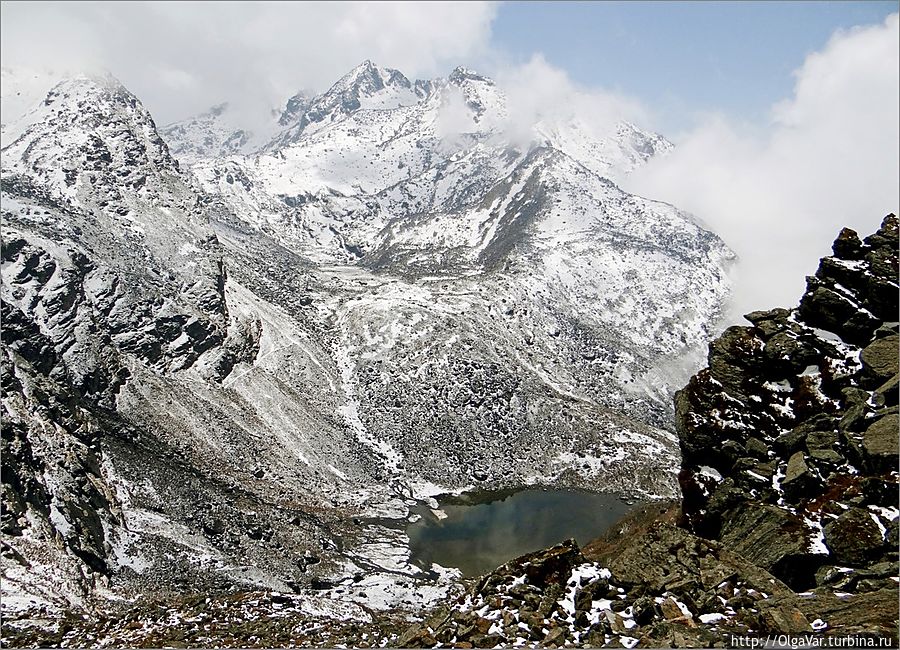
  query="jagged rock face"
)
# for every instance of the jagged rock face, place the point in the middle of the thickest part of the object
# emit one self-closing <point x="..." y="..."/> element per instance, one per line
<point x="109" y="270"/>
<point x="789" y="437"/>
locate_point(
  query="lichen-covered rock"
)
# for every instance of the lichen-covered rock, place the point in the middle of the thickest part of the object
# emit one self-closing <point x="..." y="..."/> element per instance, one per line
<point x="879" y="359"/>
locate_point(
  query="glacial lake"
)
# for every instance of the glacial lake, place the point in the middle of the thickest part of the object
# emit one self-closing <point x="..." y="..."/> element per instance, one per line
<point x="483" y="530"/>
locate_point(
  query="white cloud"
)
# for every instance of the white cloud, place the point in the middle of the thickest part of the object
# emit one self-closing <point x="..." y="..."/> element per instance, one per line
<point x="455" y="117"/>
<point x="539" y="92"/>
<point x="252" y="53"/>
<point x="780" y="195"/>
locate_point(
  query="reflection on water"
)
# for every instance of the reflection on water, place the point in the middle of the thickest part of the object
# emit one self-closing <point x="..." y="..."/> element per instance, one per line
<point x="480" y="536"/>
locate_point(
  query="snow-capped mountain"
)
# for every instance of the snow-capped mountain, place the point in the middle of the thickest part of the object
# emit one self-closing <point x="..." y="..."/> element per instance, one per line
<point x="244" y="367"/>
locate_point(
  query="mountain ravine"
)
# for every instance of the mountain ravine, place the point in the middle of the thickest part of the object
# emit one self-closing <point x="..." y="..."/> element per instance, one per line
<point x="233" y="362"/>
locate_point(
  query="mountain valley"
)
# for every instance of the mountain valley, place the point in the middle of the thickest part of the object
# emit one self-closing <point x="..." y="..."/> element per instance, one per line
<point x="236" y="361"/>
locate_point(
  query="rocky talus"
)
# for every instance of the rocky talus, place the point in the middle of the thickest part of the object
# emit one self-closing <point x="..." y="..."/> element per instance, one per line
<point x="788" y="522"/>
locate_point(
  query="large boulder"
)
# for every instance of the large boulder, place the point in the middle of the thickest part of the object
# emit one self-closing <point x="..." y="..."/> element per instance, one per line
<point x="542" y="568"/>
<point x="855" y="537"/>
<point x="773" y="538"/>
<point x="799" y="480"/>
<point x="734" y="355"/>
<point x="880" y="443"/>
<point x="879" y="359"/>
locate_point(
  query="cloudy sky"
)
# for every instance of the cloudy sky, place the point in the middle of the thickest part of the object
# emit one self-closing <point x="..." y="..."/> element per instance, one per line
<point x="784" y="114"/>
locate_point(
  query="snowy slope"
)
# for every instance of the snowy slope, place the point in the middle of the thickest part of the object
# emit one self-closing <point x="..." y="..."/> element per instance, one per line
<point x="250" y="357"/>
<point x="425" y="221"/>
<point x="171" y="426"/>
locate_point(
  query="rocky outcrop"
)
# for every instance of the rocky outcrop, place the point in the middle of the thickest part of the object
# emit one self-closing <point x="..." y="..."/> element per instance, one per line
<point x="663" y="587"/>
<point x="789" y="436"/>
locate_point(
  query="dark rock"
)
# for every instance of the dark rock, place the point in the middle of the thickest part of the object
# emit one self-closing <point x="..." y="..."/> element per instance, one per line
<point x="854" y="538"/>
<point x="826" y="308"/>
<point x="822" y="447"/>
<point x="854" y="417"/>
<point x="549" y="566"/>
<point x="769" y="322"/>
<point x="787" y="353"/>
<point x="878" y="491"/>
<point x="880" y="359"/>
<point x="822" y="440"/>
<point x="772" y="538"/>
<point x="880" y="443"/>
<point x="783" y="618"/>
<point x="881" y="570"/>
<point x="732" y="355"/>
<point x="798" y="479"/>
<point x="757" y="448"/>
<point x="790" y="442"/>
<point x="726" y="497"/>
<point x="887" y="394"/>
<point x="777" y="314"/>
<point x="847" y="246"/>
<point x="854" y="396"/>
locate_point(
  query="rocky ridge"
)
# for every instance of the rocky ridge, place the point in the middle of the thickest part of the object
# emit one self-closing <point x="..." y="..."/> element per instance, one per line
<point x="789" y="437"/>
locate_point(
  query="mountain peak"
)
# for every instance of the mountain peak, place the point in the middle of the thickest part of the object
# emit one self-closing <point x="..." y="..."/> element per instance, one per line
<point x="367" y="77"/>
<point x="96" y="120"/>
<point x="87" y="82"/>
<point x="294" y="108"/>
<point x="353" y="91"/>
<point x="461" y="73"/>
